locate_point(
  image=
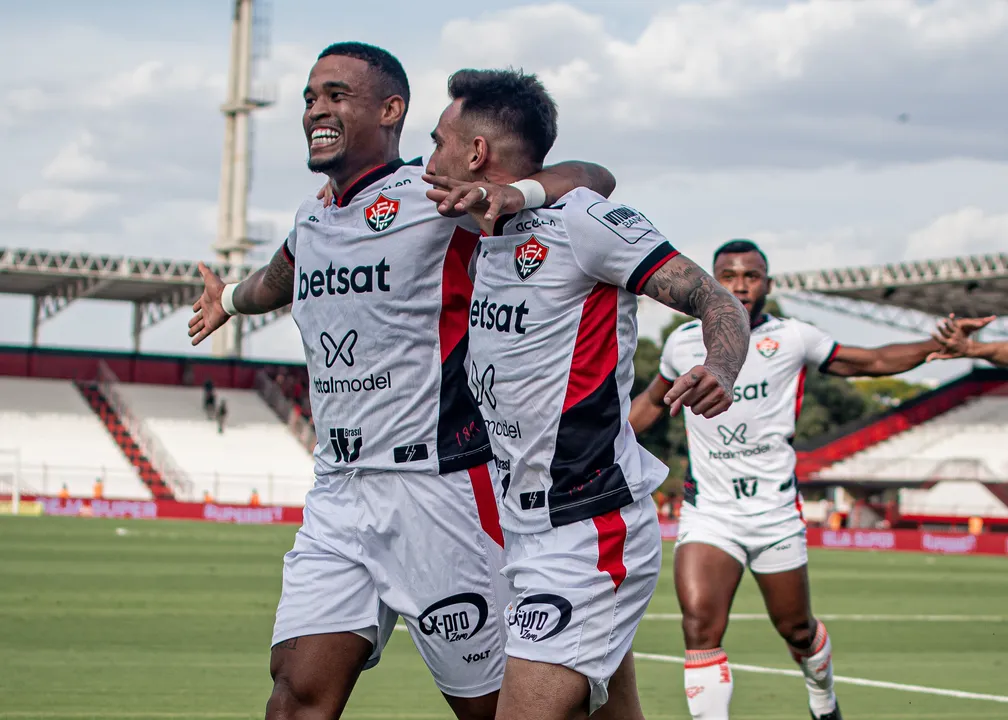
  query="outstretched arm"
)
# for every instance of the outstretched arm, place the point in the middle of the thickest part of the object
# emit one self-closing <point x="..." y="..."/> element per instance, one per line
<point x="953" y="334"/>
<point x="454" y="197"/>
<point x="269" y="288"/>
<point x="897" y="358"/>
<point x="682" y="285"/>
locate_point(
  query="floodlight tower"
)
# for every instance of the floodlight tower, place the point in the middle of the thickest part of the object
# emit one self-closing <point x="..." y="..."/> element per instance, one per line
<point x="249" y="43"/>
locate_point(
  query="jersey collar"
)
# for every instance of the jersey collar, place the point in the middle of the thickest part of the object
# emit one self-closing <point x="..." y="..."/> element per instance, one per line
<point x="763" y="320"/>
<point x="369" y="178"/>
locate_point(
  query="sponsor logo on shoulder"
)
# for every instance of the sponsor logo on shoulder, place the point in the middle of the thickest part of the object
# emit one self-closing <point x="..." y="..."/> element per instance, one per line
<point x="381" y="213"/>
<point x="629" y="224"/>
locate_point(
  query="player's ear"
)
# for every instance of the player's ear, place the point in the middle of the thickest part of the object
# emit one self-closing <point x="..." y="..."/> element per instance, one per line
<point x="479" y="154"/>
<point x="393" y="111"/>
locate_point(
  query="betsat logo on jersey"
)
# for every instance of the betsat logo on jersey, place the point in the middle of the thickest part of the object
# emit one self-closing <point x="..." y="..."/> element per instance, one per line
<point x="501" y="317"/>
<point x="343" y="280"/>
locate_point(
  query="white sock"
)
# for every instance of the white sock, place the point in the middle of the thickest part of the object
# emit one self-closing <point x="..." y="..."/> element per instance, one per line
<point x="708" y="684"/>
<point x="816" y="663"/>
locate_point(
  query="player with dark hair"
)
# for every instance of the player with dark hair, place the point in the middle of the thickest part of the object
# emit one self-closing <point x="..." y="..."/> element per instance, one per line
<point x="552" y="337"/>
<point x="402" y="519"/>
<point x="741" y="505"/>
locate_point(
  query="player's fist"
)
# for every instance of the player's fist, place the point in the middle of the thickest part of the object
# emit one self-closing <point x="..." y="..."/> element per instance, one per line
<point x="700" y="391"/>
<point x="208" y="312"/>
<point x="455" y="197"/>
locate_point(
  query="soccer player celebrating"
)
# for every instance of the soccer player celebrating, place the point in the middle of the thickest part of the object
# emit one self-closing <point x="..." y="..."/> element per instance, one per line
<point x="402" y="519"/>
<point x="552" y="337"/>
<point x="741" y="506"/>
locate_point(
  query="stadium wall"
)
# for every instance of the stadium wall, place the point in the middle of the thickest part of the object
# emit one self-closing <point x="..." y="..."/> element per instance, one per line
<point x="64" y="364"/>
<point x="878" y="540"/>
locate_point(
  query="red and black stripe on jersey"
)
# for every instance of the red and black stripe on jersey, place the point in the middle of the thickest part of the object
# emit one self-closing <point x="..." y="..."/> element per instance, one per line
<point x="587" y="480"/>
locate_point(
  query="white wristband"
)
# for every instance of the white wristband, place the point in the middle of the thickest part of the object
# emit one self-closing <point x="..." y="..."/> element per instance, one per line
<point x="533" y="192"/>
<point x="227" y="299"/>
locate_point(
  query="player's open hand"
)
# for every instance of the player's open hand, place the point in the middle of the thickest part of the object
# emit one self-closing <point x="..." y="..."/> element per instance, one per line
<point x="326" y="194"/>
<point x="953" y="334"/>
<point x="208" y="312"/>
<point x="456" y="197"/>
<point x="700" y="391"/>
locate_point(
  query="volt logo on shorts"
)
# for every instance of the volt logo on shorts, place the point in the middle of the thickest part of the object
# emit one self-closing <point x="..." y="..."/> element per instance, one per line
<point x="457" y="617"/>
<point x="476" y="657"/>
<point x="540" y="617"/>
<point x="346" y="443"/>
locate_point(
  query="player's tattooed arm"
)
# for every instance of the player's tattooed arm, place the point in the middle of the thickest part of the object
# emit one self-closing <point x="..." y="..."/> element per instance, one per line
<point x="269" y="288"/>
<point x="682" y="285"/>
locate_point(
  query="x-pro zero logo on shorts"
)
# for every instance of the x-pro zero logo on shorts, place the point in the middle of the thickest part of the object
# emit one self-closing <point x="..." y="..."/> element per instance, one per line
<point x="737" y="435"/>
<point x="381" y="213"/>
<point x="342" y="350"/>
<point x="529" y="257"/>
<point x="455" y="618"/>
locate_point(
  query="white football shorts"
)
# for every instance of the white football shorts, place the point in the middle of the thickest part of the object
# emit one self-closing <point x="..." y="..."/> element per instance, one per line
<point x="580" y="591"/>
<point x="378" y="545"/>
<point x="767" y="543"/>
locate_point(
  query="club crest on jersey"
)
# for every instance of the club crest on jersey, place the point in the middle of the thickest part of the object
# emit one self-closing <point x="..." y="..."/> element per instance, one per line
<point x="767" y="347"/>
<point x="381" y="213"/>
<point x="529" y="257"/>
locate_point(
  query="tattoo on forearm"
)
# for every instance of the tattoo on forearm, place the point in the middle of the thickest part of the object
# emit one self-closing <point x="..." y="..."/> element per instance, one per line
<point x="269" y="288"/>
<point x="684" y="286"/>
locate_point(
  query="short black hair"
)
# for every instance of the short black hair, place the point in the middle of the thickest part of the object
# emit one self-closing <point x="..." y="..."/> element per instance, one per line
<point x="739" y="246"/>
<point x="514" y="101"/>
<point x="394" y="80"/>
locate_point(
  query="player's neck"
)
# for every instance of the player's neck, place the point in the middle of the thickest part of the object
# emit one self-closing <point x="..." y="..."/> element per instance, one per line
<point x="347" y="176"/>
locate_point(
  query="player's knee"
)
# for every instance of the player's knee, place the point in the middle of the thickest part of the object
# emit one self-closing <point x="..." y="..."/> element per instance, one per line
<point x="703" y="628"/>
<point x="797" y="631"/>
<point x="293" y="697"/>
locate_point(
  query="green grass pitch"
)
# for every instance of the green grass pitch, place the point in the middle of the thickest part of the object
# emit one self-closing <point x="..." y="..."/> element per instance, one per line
<point x="173" y="620"/>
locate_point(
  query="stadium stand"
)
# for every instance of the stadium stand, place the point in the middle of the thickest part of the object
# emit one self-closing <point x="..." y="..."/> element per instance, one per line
<point x="255" y="451"/>
<point x="54" y="439"/>
<point x="946" y="452"/>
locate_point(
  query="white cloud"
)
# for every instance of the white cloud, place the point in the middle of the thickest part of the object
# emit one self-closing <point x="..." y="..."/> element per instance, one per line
<point x="63" y="206"/>
<point x="966" y="231"/>
<point x="76" y="162"/>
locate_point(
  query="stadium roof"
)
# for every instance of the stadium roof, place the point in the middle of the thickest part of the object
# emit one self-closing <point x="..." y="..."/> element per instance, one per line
<point x="156" y="288"/>
<point x="971" y="286"/>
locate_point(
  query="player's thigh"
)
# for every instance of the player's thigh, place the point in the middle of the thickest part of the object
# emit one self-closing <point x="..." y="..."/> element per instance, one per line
<point x="624" y="700"/>
<point x="542" y="691"/>
<point x="581" y="591"/>
<point x="709" y="563"/>
<point x="435" y="551"/>
<point x="315" y="674"/>
<point x="787" y="598"/>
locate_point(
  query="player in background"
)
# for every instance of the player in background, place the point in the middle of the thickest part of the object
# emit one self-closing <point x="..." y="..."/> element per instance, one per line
<point x="553" y="331"/>
<point x="741" y="505"/>
<point x="952" y="334"/>
<point x="402" y="518"/>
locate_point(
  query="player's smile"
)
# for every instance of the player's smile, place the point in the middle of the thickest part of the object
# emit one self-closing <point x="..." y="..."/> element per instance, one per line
<point x="323" y="138"/>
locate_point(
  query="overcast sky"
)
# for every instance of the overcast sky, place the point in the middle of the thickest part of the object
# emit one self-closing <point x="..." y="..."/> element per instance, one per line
<point x="832" y="132"/>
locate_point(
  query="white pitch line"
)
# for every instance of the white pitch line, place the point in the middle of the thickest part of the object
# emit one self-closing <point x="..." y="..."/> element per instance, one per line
<point x="960" y="694"/>
<point x="856" y="618"/>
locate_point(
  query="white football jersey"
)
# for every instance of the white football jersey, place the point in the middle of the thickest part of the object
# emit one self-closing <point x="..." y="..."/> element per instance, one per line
<point x="381" y="296"/>
<point x="741" y="462"/>
<point x="553" y="329"/>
